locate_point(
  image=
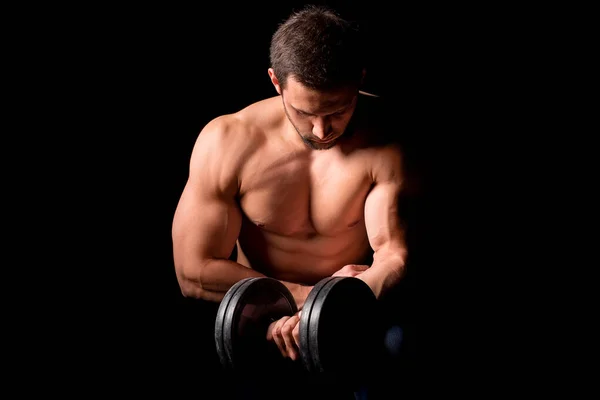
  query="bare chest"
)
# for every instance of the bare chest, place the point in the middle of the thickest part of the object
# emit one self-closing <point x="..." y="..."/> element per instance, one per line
<point x="306" y="197"/>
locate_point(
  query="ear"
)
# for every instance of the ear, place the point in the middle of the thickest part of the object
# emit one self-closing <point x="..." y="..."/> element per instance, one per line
<point x="274" y="80"/>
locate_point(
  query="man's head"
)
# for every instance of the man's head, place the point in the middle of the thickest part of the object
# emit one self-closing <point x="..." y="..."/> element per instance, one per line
<point x="317" y="67"/>
<point x="319" y="117"/>
<point x="319" y="48"/>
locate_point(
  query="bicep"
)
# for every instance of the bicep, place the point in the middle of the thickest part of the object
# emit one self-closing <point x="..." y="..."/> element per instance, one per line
<point x="206" y="225"/>
<point x="382" y="219"/>
<point x="207" y="219"/>
<point x="381" y="216"/>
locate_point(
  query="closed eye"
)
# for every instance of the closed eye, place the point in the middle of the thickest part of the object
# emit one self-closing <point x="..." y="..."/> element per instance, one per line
<point x="335" y="114"/>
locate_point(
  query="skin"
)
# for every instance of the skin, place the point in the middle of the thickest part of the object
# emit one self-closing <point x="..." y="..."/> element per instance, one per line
<point x="300" y="196"/>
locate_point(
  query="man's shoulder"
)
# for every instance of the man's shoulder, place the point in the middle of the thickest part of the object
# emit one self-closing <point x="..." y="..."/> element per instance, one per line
<point x="231" y="140"/>
<point x="223" y="127"/>
<point x="224" y="134"/>
<point x="378" y="118"/>
<point x="218" y="154"/>
<point x="244" y="127"/>
<point x="394" y="145"/>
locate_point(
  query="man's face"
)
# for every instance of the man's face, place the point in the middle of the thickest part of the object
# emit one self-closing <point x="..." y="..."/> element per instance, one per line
<point x="320" y="118"/>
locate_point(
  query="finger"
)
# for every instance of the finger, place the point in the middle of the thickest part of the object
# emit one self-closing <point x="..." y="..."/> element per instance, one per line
<point x="270" y="330"/>
<point x="359" y="269"/>
<point x="352" y="270"/>
<point x="296" y="334"/>
<point x="277" y="336"/>
<point x="286" y="333"/>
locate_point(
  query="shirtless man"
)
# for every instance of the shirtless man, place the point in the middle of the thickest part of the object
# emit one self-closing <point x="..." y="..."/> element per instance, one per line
<point x="300" y="186"/>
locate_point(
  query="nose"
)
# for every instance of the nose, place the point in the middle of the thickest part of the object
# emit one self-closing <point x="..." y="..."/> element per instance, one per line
<point x="321" y="127"/>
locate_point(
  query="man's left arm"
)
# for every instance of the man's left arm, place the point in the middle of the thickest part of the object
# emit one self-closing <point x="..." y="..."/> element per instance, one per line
<point x="384" y="227"/>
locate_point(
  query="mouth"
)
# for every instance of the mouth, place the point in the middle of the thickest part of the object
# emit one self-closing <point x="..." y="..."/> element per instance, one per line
<point x="324" y="142"/>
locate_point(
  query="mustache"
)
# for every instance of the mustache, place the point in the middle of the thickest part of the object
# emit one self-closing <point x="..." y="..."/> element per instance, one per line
<point x="316" y="139"/>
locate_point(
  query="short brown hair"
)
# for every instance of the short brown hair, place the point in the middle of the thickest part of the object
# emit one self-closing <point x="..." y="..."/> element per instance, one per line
<point x="319" y="48"/>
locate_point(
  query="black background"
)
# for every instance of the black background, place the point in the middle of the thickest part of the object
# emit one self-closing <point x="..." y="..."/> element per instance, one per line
<point x="104" y="102"/>
<point x="127" y="91"/>
<point x="162" y="76"/>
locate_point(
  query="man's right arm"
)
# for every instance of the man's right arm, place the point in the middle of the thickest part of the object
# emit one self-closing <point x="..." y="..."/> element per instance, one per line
<point x="207" y="220"/>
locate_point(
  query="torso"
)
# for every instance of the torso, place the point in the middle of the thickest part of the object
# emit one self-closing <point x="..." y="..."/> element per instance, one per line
<point x="303" y="210"/>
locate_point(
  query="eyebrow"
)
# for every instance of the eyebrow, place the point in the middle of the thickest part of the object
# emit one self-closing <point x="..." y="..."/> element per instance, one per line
<point x="341" y="109"/>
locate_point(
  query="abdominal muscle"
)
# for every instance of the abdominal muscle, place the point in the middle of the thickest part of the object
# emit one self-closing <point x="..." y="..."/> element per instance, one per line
<point x="304" y="259"/>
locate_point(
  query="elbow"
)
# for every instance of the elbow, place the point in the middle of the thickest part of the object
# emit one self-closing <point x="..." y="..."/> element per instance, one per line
<point x="190" y="282"/>
<point x="190" y="289"/>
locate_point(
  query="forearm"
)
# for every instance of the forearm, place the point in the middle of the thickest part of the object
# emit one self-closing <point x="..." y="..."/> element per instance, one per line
<point x="212" y="279"/>
<point x="386" y="271"/>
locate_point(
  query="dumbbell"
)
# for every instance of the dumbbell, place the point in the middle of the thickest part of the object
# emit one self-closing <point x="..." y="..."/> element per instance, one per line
<point x="338" y="328"/>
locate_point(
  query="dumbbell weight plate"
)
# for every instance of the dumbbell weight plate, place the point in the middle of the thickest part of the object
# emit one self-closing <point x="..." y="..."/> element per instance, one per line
<point x="220" y="321"/>
<point x="338" y="328"/>
<point x="242" y="320"/>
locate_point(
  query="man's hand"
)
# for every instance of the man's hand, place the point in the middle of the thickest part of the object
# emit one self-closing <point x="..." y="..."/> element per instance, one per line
<point x="356" y="271"/>
<point x="285" y="332"/>
<point x="352" y="270"/>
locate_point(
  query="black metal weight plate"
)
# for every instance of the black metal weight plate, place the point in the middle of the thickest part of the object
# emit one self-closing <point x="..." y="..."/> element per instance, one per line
<point x="242" y="320"/>
<point x="338" y="328"/>
<point x="220" y="320"/>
